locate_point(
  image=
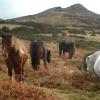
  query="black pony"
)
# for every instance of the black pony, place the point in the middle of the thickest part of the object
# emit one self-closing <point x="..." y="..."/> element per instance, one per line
<point x="38" y="51"/>
<point x="67" y="47"/>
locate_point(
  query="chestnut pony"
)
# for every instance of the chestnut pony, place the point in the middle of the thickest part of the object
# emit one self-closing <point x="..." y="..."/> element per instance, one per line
<point x="14" y="53"/>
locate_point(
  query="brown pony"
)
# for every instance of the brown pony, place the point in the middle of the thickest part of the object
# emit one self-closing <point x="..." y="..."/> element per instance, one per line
<point x="15" y="54"/>
<point x="38" y="51"/>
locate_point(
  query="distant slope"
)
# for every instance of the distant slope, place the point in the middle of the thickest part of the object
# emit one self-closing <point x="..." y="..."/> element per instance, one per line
<point x="75" y="14"/>
<point x="1" y="19"/>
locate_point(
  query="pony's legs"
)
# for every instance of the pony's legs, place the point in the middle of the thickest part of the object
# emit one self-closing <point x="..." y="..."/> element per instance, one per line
<point x="9" y="66"/>
<point x="22" y="67"/>
<point x="17" y="71"/>
<point x="23" y="61"/>
<point x="63" y="52"/>
<point x="44" y="59"/>
<point x="10" y="72"/>
<point x="19" y="75"/>
<point x="22" y="74"/>
<point x="36" y="67"/>
<point x="71" y="53"/>
<point x="60" y="52"/>
<point x="45" y="64"/>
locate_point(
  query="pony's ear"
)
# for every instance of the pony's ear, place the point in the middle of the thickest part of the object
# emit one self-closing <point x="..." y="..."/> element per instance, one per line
<point x="88" y="57"/>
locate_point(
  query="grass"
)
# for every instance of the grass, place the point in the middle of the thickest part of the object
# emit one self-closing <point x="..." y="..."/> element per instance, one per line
<point x="13" y="91"/>
<point x="63" y="81"/>
<point x="11" y="26"/>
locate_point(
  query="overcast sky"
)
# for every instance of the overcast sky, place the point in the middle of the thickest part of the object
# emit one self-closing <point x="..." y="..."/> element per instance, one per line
<point x="17" y="8"/>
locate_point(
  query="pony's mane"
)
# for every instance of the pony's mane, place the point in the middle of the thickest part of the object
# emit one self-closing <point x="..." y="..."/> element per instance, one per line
<point x="18" y="44"/>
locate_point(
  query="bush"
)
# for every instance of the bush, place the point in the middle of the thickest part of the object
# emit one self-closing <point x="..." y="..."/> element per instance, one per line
<point x="76" y="31"/>
<point x="89" y="45"/>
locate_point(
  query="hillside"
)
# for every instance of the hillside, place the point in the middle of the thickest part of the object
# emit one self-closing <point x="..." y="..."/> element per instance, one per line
<point x="75" y="19"/>
<point x="80" y="10"/>
<point x="1" y="19"/>
<point x="75" y="14"/>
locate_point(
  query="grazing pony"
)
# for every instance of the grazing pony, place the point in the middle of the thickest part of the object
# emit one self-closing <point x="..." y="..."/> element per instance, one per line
<point x="38" y="51"/>
<point x="14" y="53"/>
<point x="67" y="47"/>
<point x="93" y="63"/>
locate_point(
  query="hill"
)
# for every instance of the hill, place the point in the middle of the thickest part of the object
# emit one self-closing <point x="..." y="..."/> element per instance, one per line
<point x="75" y="14"/>
<point x="75" y="19"/>
<point x="1" y="19"/>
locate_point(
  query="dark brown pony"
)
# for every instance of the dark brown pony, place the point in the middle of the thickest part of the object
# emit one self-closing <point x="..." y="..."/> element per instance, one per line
<point x="67" y="47"/>
<point x="15" y="54"/>
<point x="38" y="51"/>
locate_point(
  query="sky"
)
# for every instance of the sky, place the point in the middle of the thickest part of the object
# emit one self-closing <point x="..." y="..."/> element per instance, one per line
<point x="17" y="8"/>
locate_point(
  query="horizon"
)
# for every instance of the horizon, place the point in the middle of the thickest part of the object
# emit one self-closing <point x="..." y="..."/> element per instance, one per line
<point x="20" y="8"/>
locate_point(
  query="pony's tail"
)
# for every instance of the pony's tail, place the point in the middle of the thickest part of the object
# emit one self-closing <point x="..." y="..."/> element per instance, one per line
<point x="34" y="57"/>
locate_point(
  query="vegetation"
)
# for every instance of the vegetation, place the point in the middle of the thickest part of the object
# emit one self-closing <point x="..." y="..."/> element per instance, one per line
<point x="65" y="79"/>
<point x="30" y="27"/>
<point x="89" y="45"/>
<point x="76" y="31"/>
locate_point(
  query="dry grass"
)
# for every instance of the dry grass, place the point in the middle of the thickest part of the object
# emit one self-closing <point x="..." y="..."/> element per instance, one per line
<point x="62" y="81"/>
<point x="22" y="91"/>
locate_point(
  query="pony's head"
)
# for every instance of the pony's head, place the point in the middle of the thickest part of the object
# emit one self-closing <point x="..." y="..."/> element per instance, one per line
<point x="89" y="64"/>
<point x="6" y="38"/>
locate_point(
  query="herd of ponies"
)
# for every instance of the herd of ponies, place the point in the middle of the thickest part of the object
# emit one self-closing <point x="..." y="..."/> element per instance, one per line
<point x="15" y="55"/>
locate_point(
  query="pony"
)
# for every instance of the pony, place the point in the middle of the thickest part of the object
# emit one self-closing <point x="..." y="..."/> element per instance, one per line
<point x="15" y="54"/>
<point x="93" y="63"/>
<point x="38" y="51"/>
<point x="67" y="47"/>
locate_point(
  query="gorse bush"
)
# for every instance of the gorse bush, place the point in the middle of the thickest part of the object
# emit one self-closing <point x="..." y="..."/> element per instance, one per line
<point x="76" y="31"/>
<point x="90" y="45"/>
